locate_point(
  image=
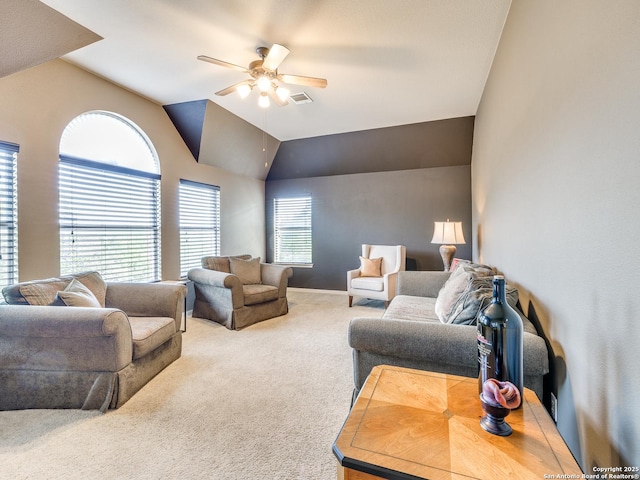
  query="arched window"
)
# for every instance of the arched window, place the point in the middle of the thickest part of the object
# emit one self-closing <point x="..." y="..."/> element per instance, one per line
<point x="109" y="182"/>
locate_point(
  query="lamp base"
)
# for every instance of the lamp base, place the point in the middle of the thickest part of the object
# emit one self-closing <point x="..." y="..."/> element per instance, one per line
<point x="447" y="252"/>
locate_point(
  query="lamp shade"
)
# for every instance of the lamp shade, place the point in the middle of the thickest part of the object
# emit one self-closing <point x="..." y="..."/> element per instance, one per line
<point x="449" y="233"/>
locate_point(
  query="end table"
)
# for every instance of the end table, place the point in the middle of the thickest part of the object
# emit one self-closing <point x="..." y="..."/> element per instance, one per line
<point x="414" y="424"/>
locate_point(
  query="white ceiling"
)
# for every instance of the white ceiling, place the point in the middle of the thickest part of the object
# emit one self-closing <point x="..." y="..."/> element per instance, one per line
<point x="387" y="62"/>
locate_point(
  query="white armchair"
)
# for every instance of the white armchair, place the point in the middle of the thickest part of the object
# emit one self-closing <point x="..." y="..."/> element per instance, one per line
<point x="379" y="285"/>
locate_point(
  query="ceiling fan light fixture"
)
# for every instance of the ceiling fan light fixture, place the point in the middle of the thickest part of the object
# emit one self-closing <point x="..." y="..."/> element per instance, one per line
<point x="263" y="101"/>
<point x="244" y="90"/>
<point x="264" y="83"/>
<point x="264" y="73"/>
<point x="283" y="93"/>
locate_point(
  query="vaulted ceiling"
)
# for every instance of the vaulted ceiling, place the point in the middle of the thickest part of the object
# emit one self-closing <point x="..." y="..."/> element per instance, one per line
<point x="387" y="62"/>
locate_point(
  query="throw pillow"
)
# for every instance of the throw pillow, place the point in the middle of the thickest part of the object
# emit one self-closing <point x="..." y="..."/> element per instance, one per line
<point x="370" y="267"/>
<point x="455" y="262"/>
<point x="248" y="271"/>
<point x="43" y="292"/>
<point x="77" y="295"/>
<point x="220" y="264"/>
<point x="95" y="283"/>
<point x="475" y="297"/>
<point x="451" y="291"/>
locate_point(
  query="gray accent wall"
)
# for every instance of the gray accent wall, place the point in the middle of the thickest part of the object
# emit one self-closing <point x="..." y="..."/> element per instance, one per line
<point x="385" y="186"/>
<point x="440" y="143"/>
<point x="388" y="208"/>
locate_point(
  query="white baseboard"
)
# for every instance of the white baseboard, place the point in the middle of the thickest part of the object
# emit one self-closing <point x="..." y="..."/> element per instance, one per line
<point x="317" y="290"/>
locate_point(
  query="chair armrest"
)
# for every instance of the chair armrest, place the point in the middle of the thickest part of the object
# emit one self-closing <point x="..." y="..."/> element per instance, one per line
<point x="64" y="338"/>
<point x="217" y="286"/>
<point x="435" y="342"/>
<point x="351" y="274"/>
<point x="421" y="283"/>
<point x="276" y="275"/>
<point x="214" y="278"/>
<point x="426" y="341"/>
<point x="390" y="282"/>
<point x="148" y="299"/>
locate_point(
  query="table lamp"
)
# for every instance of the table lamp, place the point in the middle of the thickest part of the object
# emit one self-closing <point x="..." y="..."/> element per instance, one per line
<point x="448" y="234"/>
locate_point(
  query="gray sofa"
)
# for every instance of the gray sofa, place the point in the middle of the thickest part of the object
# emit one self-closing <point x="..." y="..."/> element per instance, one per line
<point x="93" y="358"/>
<point x="238" y="291"/>
<point x="410" y="334"/>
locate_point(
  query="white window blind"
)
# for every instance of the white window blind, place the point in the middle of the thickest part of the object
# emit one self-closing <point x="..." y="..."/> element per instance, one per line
<point x="109" y="220"/>
<point x="199" y="223"/>
<point x="8" y="214"/>
<point x="292" y="230"/>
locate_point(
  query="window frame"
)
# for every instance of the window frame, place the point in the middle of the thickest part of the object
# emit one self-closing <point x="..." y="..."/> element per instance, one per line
<point x="296" y="225"/>
<point x="92" y="217"/>
<point x="190" y="210"/>
<point x="8" y="216"/>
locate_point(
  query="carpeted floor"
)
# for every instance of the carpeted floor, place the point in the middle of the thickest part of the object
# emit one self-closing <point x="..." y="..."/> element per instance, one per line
<point x="263" y="403"/>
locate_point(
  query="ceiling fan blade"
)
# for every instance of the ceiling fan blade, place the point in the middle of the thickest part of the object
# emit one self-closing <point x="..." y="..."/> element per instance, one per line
<point x="300" y="80"/>
<point x="233" y="88"/>
<point x="215" y="61"/>
<point x="277" y="53"/>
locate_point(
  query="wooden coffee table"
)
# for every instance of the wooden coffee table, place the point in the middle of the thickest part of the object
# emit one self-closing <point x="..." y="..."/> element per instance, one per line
<point x="413" y="424"/>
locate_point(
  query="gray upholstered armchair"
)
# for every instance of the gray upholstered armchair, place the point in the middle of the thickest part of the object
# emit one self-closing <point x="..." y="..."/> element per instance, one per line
<point x="239" y="291"/>
<point x="80" y="342"/>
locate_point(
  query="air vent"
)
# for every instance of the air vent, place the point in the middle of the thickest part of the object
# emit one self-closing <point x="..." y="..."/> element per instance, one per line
<point x="300" y="98"/>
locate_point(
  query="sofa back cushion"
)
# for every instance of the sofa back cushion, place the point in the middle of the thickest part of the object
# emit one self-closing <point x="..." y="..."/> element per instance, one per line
<point x="220" y="264"/>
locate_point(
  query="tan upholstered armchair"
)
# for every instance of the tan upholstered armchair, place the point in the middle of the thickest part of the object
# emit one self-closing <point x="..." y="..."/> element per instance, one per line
<point x="239" y="291"/>
<point x="376" y="278"/>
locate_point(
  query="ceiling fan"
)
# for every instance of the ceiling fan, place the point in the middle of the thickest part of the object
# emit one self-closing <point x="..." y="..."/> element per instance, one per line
<point x="264" y="75"/>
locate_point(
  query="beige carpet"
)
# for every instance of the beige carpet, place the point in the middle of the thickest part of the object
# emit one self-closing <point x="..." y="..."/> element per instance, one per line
<point x="263" y="403"/>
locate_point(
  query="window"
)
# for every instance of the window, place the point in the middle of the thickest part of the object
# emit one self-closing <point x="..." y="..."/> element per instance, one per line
<point x="8" y="214"/>
<point x="199" y="223"/>
<point x="292" y="230"/>
<point x="109" y="199"/>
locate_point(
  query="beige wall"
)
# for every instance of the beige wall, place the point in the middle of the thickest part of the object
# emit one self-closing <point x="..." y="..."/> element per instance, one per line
<point x="37" y="104"/>
<point x="556" y="204"/>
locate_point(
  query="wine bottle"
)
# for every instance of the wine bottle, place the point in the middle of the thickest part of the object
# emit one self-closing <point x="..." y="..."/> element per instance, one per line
<point x="500" y="340"/>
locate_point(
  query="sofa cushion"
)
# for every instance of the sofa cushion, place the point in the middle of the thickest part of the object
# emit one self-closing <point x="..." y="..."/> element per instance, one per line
<point x="149" y="333"/>
<point x="258" y="293"/>
<point x="412" y="308"/>
<point x="77" y="295"/>
<point x="248" y="271"/>
<point x="375" y="284"/>
<point x="370" y="267"/>
<point x="221" y="264"/>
